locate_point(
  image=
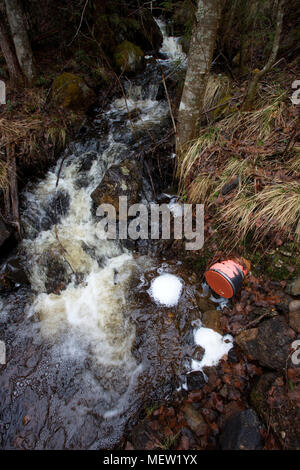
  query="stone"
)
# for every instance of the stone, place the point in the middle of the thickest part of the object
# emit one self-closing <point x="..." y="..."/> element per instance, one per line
<point x="71" y="91"/>
<point x="294" y="320"/>
<point x="129" y="58"/>
<point x="194" y="419"/>
<point x="294" y="306"/>
<point x="230" y="186"/>
<point x="242" y="432"/>
<point x="204" y="304"/>
<point x="294" y="287"/>
<point x="124" y="179"/>
<point x="211" y="319"/>
<point x="13" y="274"/>
<point x="269" y="343"/>
<point x="283" y="417"/>
<point x="198" y="352"/>
<point x="195" y="380"/>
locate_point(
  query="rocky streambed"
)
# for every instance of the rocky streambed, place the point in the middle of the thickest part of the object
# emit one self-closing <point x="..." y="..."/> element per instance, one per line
<point x="91" y="355"/>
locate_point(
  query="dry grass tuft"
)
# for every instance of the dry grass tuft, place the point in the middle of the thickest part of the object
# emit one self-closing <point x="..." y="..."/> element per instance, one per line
<point x="244" y="147"/>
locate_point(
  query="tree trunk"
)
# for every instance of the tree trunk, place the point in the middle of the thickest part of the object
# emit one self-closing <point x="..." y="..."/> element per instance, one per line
<point x="202" y="45"/>
<point x="15" y="17"/>
<point x="252" y="89"/>
<point x="9" y="53"/>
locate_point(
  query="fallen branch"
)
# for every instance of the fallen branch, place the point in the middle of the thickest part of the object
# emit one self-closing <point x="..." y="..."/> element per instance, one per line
<point x="256" y="321"/>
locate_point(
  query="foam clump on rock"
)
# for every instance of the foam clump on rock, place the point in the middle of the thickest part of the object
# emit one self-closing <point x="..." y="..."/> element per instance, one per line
<point x="214" y="344"/>
<point x="166" y="289"/>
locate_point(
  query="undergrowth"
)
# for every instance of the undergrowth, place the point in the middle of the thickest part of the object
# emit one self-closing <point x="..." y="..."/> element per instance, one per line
<point x="239" y="169"/>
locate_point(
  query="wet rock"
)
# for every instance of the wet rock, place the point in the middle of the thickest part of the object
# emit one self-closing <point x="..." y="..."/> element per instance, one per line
<point x="57" y="272"/>
<point x="242" y="432"/>
<point x="5" y="233"/>
<point x="204" y="304"/>
<point x="124" y="179"/>
<point x="294" y="287"/>
<point x="198" y="353"/>
<point x="268" y="343"/>
<point x="149" y="36"/>
<point x="195" y="380"/>
<point x="273" y="404"/>
<point x="71" y="91"/>
<point x="194" y="420"/>
<point x="211" y="319"/>
<point x="129" y="58"/>
<point x="13" y="274"/>
<point x="57" y="208"/>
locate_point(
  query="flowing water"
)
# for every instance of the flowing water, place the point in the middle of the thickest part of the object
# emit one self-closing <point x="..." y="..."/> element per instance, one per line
<point x="86" y="345"/>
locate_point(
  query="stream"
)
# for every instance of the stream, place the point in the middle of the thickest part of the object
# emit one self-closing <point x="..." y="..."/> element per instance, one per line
<point x="86" y="352"/>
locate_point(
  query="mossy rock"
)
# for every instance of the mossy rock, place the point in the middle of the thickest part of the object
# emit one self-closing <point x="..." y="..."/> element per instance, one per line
<point x="70" y="91"/>
<point x="129" y="58"/>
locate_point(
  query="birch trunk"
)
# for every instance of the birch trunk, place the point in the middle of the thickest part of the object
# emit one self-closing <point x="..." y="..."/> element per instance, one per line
<point x="20" y="37"/>
<point x="202" y="46"/>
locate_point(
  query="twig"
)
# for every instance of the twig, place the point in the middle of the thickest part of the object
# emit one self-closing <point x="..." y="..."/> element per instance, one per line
<point x="255" y="322"/>
<point x="81" y="20"/>
<point x="169" y="102"/>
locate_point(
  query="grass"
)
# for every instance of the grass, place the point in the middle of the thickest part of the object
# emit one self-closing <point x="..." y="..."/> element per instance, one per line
<point x="243" y="147"/>
<point x="33" y="128"/>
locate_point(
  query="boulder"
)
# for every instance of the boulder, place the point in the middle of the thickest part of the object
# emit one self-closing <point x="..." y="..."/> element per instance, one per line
<point x="242" y="432"/>
<point x="211" y="319"/>
<point x="120" y="180"/>
<point x="129" y="58"/>
<point x="71" y="91"/>
<point x="268" y="343"/>
<point x="149" y="35"/>
<point x="276" y="407"/>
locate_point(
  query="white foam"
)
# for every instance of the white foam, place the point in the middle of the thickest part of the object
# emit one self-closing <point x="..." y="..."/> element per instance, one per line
<point x="166" y="289"/>
<point x="214" y="344"/>
<point x="171" y="46"/>
<point x="176" y="208"/>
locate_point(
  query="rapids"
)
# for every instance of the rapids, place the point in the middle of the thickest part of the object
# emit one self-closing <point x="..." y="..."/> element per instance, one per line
<point x="86" y="346"/>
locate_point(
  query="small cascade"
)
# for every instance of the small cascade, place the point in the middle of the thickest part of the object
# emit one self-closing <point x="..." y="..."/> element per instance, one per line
<point x="74" y="334"/>
<point x="171" y="46"/>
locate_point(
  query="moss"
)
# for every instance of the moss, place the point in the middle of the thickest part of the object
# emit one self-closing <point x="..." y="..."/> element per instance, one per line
<point x="128" y="57"/>
<point x="276" y="264"/>
<point x="70" y="91"/>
